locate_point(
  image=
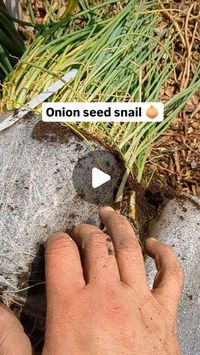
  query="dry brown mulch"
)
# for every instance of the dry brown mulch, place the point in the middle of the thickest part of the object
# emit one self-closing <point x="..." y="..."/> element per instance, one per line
<point x="40" y="10"/>
<point x="175" y="157"/>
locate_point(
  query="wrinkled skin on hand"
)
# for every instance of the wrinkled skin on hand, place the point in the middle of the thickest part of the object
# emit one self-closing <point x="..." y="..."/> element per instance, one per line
<point x="102" y="304"/>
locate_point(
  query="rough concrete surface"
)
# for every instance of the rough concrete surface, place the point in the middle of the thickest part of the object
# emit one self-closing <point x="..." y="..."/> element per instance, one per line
<point x="179" y="226"/>
<point x="37" y="197"/>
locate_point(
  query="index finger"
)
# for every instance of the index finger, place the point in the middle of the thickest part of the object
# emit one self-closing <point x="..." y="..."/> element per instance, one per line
<point x="127" y="248"/>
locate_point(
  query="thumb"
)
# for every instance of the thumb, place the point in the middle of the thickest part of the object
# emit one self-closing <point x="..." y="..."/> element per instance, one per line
<point x="169" y="280"/>
<point x="13" y="340"/>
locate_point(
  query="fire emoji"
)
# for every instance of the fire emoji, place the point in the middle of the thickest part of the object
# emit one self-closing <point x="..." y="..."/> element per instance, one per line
<point x="152" y="112"/>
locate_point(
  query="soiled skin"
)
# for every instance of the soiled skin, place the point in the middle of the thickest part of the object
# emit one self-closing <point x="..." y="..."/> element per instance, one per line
<point x="102" y="304"/>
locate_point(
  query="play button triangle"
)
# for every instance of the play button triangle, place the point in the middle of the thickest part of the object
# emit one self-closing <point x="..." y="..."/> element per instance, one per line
<point x="99" y="178"/>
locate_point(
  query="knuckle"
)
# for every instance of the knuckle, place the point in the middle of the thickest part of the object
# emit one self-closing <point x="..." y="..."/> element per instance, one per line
<point x="97" y="234"/>
<point x="79" y="228"/>
<point x="122" y="221"/>
<point x="175" y="269"/>
<point x="134" y="252"/>
<point x="170" y="253"/>
<point x="97" y="238"/>
<point x="169" y="249"/>
<point x="112" y="290"/>
<point x="176" y="272"/>
<point x="165" y="249"/>
<point x="85" y="230"/>
<point x="116" y="218"/>
<point x="126" y="243"/>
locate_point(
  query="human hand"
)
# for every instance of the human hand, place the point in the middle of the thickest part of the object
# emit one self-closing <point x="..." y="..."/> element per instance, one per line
<point x="103" y="305"/>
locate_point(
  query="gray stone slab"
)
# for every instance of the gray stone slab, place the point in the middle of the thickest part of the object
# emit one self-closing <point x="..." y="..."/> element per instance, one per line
<point x="179" y="226"/>
<point x="37" y="197"/>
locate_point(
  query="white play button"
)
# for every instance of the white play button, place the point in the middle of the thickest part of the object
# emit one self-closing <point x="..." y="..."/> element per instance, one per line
<point x="99" y="178"/>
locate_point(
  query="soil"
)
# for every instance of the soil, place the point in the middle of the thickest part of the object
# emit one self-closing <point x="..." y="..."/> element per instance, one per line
<point x="50" y="132"/>
<point x="149" y="202"/>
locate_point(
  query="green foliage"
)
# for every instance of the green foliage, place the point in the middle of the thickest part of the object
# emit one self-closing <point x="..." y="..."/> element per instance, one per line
<point x="11" y="44"/>
<point x="71" y="5"/>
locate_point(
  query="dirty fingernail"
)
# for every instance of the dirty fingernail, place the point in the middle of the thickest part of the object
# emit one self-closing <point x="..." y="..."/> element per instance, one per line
<point x="57" y="235"/>
<point x="107" y="208"/>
